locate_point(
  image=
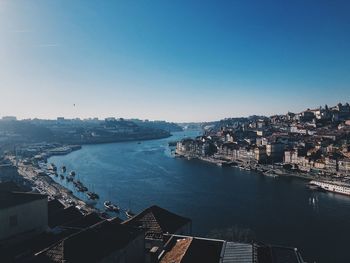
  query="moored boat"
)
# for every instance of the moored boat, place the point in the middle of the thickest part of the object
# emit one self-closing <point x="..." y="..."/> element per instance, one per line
<point x="129" y="213"/>
<point x="111" y="207"/>
<point x="92" y="195"/>
<point x="335" y="187"/>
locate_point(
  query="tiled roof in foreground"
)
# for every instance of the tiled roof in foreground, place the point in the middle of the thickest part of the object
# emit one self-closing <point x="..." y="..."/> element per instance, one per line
<point x="156" y="221"/>
<point x="187" y="249"/>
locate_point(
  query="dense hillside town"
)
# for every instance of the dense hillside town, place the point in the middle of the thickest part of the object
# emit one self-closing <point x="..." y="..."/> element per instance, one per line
<point x="311" y="142"/>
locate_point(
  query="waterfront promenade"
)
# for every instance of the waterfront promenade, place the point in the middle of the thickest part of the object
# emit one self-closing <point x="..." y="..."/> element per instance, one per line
<point x="44" y="184"/>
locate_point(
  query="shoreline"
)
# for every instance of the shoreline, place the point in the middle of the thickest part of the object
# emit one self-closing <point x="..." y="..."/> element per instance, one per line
<point x="40" y="180"/>
<point x="264" y="170"/>
<point x="114" y="140"/>
<point x="44" y="184"/>
<point x="78" y="146"/>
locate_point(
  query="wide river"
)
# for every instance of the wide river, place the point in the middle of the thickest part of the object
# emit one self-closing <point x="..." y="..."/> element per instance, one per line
<point x="276" y="210"/>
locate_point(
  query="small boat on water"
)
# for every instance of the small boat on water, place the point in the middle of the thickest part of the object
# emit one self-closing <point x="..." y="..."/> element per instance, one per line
<point x="92" y="195"/>
<point x="82" y="188"/>
<point x="129" y="214"/>
<point x="111" y="207"/>
<point x="64" y="169"/>
<point x="79" y="185"/>
<point x="62" y="176"/>
<point x="271" y="175"/>
<point x="72" y="173"/>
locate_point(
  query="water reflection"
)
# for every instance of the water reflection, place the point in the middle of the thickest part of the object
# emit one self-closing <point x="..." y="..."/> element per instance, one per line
<point x="314" y="202"/>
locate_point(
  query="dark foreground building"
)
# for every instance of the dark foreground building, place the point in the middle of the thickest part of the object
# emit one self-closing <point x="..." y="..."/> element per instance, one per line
<point x="35" y="230"/>
<point x="187" y="249"/>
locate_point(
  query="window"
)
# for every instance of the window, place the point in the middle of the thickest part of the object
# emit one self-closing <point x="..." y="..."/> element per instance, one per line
<point x="13" y="221"/>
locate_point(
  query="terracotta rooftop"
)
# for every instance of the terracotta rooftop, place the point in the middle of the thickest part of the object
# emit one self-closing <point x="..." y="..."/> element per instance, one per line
<point x="177" y="252"/>
<point x="184" y="249"/>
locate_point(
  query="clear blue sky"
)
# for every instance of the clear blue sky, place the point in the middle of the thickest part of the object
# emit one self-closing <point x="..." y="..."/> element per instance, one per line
<point x="174" y="60"/>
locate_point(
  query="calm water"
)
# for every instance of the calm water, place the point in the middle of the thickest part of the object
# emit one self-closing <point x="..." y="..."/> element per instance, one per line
<point x="277" y="211"/>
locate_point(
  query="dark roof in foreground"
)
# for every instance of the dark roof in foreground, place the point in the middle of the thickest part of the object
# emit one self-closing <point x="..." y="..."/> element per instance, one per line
<point x="54" y="205"/>
<point x="9" y="199"/>
<point x="26" y="248"/>
<point x="64" y="216"/>
<point x="20" y="252"/>
<point x="156" y="221"/>
<point x="235" y="252"/>
<point x="85" y="221"/>
<point x="185" y="249"/>
<point x="10" y="187"/>
<point x="91" y="244"/>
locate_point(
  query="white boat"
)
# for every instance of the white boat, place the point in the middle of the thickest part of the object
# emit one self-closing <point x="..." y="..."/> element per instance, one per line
<point x="111" y="207"/>
<point x="271" y="175"/>
<point x="335" y="187"/>
<point x="129" y="214"/>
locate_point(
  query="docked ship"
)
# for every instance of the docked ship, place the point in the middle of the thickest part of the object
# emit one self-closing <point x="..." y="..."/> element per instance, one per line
<point x="335" y="187"/>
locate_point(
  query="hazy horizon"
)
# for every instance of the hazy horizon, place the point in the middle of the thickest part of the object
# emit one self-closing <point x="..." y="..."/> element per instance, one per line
<point x="183" y="61"/>
<point x="135" y="117"/>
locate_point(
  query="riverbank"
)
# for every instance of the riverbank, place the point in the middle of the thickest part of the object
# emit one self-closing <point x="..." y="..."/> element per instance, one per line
<point x="36" y="173"/>
<point x="55" y="149"/>
<point x="267" y="170"/>
<point x="115" y="139"/>
<point x="41" y="182"/>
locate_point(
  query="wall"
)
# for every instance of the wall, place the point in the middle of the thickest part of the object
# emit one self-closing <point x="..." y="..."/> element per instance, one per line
<point x="31" y="219"/>
<point x="134" y="252"/>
